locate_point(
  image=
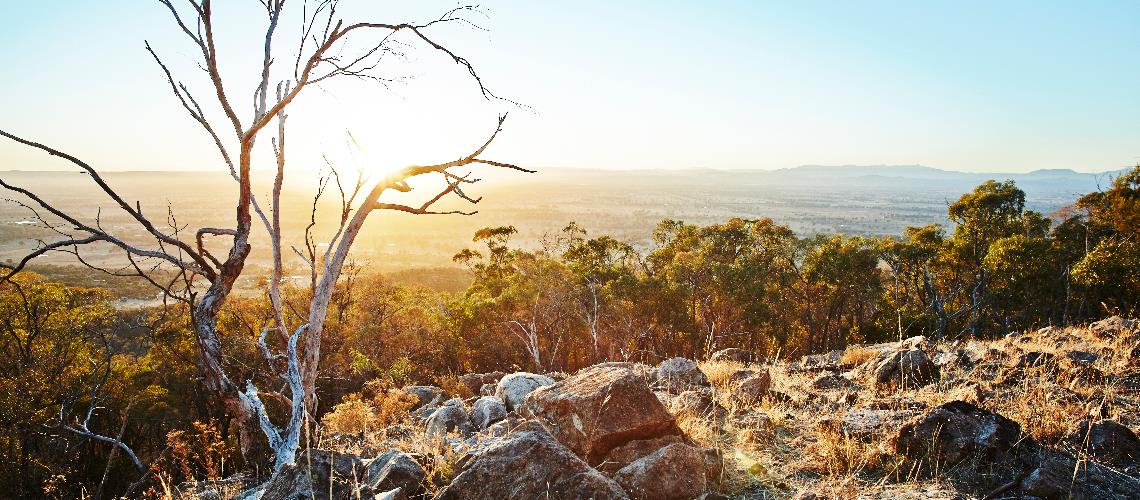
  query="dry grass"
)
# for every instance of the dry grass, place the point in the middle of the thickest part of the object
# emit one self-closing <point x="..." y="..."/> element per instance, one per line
<point x="777" y="448"/>
<point x="857" y="355"/>
<point x="780" y="448"/>
<point x="718" y="372"/>
<point x="834" y="455"/>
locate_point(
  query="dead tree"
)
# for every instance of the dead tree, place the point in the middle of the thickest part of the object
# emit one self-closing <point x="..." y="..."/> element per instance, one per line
<point x="328" y="48"/>
<point x="100" y="375"/>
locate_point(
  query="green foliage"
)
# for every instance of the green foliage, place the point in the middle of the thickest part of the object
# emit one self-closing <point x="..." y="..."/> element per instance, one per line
<point x="577" y="300"/>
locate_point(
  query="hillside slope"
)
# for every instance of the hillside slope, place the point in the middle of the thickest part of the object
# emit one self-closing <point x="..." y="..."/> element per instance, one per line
<point x="1045" y="414"/>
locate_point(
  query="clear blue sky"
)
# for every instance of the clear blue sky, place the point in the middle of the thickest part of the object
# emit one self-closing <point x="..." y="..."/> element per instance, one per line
<point x="981" y="86"/>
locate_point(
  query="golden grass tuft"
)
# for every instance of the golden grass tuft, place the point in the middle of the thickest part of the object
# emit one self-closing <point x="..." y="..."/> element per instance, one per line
<point x="857" y="355"/>
<point x="837" y="456"/>
<point x="718" y="372"/>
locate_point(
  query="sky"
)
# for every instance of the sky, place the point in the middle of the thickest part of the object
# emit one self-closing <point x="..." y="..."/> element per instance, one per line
<point x="1007" y="86"/>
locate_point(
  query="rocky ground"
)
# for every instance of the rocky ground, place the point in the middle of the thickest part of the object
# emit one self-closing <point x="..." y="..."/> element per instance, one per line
<point x="1045" y="414"/>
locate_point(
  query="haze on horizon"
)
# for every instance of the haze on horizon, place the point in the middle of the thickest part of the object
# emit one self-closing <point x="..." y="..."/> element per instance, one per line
<point x="975" y="86"/>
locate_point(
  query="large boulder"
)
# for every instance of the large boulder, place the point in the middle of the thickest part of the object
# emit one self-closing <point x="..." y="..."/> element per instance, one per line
<point x="396" y="469"/>
<point x="528" y="463"/>
<point x="956" y="430"/>
<point x="1113" y="327"/>
<point x="907" y="368"/>
<point x="633" y="451"/>
<point x="1060" y="476"/>
<point x="675" y="472"/>
<point x="486" y="411"/>
<point x="677" y="375"/>
<point x="1107" y="441"/>
<point x="425" y="393"/>
<point x="868" y="424"/>
<point x="514" y="387"/>
<point x="735" y="355"/>
<point x="753" y="389"/>
<point x="316" y="474"/>
<point x="738" y="376"/>
<point x="696" y="403"/>
<point x="829" y="361"/>
<point x="831" y="380"/>
<point x="471" y="383"/>
<point x="448" y="418"/>
<point x="474" y="382"/>
<point x="598" y="409"/>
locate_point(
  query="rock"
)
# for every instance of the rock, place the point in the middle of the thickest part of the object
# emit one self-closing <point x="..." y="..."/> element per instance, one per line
<point x="818" y="362"/>
<point x="599" y="408"/>
<point x="739" y="376"/>
<point x="471" y="383"/>
<point x="1035" y="358"/>
<point x="753" y="389"/>
<point x="314" y="475"/>
<point x="735" y="355"/>
<point x="916" y="342"/>
<point x="829" y="380"/>
<point x="424" y="412"/>
<point x="677" y="375"/>
<point x="487" y="390"/>
<point x="646" y="371"/>
<point x="675" y="472"/>
<point x="528" y="463"/>
<point x="504" y="426"/>
<point x="395" y="494"/>
<point x="250" y="494"/>
<point x="425" y="393"/>
<point x="970" y="393"/>
<point x="978" y="352"/>
<point x="955" y="430"/>
<point x="1107" y="441"/>
<point x="946" y="359"/>
<point x="514" y="387"/>
<point x="448" y="418"/>
<point x="486" y="411"/>
<point x="906" y="369"/>
<point x="396" y="470"/>
<point x="1082" y="357"/>
<point x="1112" y="327"/>
<point x="696" y="403"/>
<point x="1058" y="476"/>
<point x="455" y="402"/>
<point x="866" y="424"/>
<point x="632" y="451"/>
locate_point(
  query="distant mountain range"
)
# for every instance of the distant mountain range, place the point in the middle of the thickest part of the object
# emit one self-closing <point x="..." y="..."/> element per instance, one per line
<point x="924" y="172"/>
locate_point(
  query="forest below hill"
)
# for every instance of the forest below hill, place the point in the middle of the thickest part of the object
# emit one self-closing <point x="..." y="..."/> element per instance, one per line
<point x="623" y="204"/>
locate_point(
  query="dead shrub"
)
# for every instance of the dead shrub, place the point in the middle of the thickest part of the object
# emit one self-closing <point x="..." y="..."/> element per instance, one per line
<point x="351" y="416"/>
<point x="375" y="407"/>
<point x="198" y="453"/>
